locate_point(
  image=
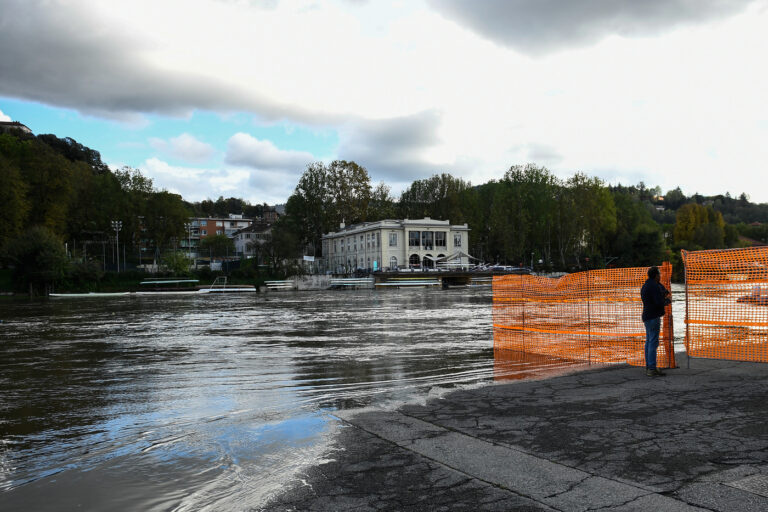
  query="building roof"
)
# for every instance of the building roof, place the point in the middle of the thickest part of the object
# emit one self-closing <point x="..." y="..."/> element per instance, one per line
<point x="258" y="227"/>
<point x="14" y="125"/>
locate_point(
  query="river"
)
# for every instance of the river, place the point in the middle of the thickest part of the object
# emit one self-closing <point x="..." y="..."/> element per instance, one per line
<point x="217" y="401"/>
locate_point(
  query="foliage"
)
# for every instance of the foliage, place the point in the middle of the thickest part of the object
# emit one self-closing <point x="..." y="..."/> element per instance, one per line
<point x="38" y="258"/>
<point x="217" y="245"/>
<point x="64" y="186"/>
<point x="177" y="263"/>
<point x="700" y="225"/>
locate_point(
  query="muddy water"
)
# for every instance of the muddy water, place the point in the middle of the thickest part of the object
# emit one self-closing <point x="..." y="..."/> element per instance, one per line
<point x="215" y="402"/>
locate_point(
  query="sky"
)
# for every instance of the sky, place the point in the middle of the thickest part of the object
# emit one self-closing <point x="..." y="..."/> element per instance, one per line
<point x="235" y="97"/>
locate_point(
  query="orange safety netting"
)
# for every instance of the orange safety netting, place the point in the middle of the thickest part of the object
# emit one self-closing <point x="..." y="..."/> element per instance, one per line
<point x="726" y="295"/>
<point x="511" y="365"/>
<point x="592" y="316"/>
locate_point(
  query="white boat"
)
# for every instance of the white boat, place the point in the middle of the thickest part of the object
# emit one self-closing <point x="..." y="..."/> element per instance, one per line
<point x="89" y="294"/>
<point x="219" y="286"/>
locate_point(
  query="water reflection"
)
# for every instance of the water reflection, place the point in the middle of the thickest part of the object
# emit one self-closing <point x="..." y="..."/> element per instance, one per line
<point x="510" y="365"/>
<point x="191" y="402"/>
<point x="151" y="403"/>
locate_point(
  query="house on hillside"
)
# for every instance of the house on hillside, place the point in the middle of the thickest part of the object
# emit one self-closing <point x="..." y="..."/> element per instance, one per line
<point x="10" y="126"/>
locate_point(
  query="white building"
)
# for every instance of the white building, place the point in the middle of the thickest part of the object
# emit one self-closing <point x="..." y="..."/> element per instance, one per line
<point x="246" y="239"/>
<point x="396" y="244"/>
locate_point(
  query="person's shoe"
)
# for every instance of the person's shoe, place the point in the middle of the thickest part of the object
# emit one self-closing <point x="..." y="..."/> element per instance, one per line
<point x="650" y="373"/>
<point x="658" y="373"/>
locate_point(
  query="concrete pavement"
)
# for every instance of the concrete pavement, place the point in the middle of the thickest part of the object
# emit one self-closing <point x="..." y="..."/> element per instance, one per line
<point x="602" y="439"/>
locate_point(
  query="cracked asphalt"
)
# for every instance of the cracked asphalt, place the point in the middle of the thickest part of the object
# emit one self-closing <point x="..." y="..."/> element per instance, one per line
<point x="601" y="439"/>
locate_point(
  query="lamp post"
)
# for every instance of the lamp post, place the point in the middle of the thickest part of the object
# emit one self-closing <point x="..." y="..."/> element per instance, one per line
<point x="117" y="225"/>
<point x="188" y="227"/>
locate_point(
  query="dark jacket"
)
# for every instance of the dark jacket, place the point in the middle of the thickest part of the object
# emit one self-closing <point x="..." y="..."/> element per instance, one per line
<point x="653" y="295"/>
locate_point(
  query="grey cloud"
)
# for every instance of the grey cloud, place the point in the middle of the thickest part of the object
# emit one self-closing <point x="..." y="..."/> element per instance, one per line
<point x="541" y="26"/>
<point x="246" y="150"/>
<point x="391" y="149"/>
<point x="56" y="53"/>
<point x="543" y="154"/>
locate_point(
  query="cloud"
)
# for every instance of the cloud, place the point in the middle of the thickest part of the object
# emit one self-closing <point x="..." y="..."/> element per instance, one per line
<point x="392" y="149"/>
<point x="184" y="147"/>
<point x="542" y="26"/>
<point x="194" y="183"/>
<point x="84" y="56"/>
<point x="4" y="117"/>
<point x="246" y="150"/>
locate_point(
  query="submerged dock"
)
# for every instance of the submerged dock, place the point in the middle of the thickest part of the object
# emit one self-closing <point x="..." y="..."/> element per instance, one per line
<point x="607" y="439"/>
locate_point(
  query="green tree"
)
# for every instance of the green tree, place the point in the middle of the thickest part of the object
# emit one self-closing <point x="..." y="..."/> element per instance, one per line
<point x="699" y="225"/>
<point x="13" y="201"/>
<point x="217" y="246"/>
<point x="177" y="263"/>
<point x="38" y="258"/>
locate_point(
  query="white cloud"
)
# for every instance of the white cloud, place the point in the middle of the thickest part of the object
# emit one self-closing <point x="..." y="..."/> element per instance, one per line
<point x="4" y="117"/>
<point x="196" y="184"/>
<point x="673" y="93"/>
<point x="246" y="150"/>
<point x="184" y="147"/>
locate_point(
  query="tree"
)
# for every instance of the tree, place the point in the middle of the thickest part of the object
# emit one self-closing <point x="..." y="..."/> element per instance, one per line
<point x="217" y="245"/>
<point x="13" y="201"/>
<point x="177" y="263"/>
<point x="39" y="259"/>
<point x="700" y="225"/>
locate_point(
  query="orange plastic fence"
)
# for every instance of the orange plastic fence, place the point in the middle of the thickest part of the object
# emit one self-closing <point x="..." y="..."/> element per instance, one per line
<point x="592" y="316"/>
<point x="727" y="304"/>
<point x="513" y="365"/>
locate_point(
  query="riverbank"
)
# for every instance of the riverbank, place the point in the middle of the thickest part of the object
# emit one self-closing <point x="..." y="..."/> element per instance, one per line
<point x="608" y="438"/>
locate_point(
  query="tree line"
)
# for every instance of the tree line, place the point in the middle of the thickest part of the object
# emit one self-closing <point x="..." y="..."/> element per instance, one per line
<point x="56" y="191"/>
<point x="529" y="216"/>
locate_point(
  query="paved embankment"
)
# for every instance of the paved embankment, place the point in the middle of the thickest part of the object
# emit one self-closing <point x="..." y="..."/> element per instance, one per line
<point x="606" y="439"/>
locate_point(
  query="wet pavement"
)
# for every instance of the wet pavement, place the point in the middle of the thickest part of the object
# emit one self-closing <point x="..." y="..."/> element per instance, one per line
<point x="601" y="439"/>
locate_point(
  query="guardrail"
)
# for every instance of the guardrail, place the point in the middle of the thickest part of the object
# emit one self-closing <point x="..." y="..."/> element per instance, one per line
<point x="280" y="285"/>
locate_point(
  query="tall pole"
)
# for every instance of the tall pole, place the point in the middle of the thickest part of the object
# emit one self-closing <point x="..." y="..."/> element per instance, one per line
<point x="117" y="225"/>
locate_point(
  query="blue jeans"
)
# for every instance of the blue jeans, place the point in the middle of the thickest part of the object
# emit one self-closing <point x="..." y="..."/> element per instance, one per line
<point x="652" y="329"/>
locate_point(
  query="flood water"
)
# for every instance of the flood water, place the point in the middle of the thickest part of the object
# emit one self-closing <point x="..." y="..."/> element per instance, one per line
<point x="216" y="401"/>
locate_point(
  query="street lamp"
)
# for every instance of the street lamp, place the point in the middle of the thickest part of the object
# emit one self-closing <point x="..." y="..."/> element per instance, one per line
<point x="188" y="227"/>
<point x="117" y="225"/>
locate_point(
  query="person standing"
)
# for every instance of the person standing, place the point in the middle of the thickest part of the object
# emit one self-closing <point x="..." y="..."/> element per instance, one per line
<point x="654" y="297"/>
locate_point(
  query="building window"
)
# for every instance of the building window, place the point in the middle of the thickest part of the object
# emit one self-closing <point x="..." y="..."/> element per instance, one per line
<point x="393" y="262"/>
<point x="393" y="239"/>
<point x="203" y="222"/>
<point x="413" y="238"/>
<point x="457" y="239"/>
<point x="427" y="240"/>
<point x="414" y="260"/>
<point x="219" y="224"/>
<point x="203" y="232"/>
<point x="440" y="239"/>
<point x="378" y="240"/>
<point x="218" y="231"/>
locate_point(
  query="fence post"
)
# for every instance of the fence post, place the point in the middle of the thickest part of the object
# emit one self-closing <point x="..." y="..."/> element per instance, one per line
<point x="589" y="318"/>
<point x="522" y="301"/>
<point x="687" y="330"/>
